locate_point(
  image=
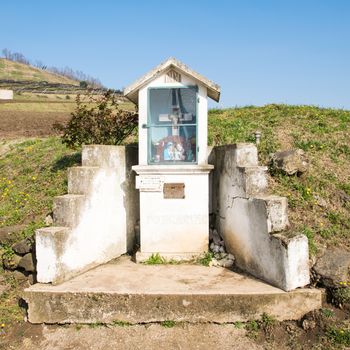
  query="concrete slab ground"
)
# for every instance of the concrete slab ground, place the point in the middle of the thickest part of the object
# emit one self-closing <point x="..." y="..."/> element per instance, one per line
<point x="137" y="293"/>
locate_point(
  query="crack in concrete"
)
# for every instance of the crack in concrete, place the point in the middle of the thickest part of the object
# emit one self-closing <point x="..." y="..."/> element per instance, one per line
<point x="233" y="199"/>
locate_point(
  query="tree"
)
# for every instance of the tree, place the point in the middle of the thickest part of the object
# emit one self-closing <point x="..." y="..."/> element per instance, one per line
<point x="6" y="53"/>
<point x="98" y="120"/>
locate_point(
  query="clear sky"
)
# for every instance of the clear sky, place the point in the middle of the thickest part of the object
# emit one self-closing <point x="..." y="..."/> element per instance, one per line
<point x="259" y="52"/>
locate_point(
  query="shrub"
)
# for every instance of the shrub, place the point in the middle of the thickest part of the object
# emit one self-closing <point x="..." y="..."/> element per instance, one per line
<point x="98" y="120"/>
<point x="83" y="84"/>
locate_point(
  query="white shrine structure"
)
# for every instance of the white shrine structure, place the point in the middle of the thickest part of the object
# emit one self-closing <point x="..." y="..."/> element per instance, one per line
<point x="164" y="184"/>
<point x="173" y="170"/>
<point x="162" y="189"/>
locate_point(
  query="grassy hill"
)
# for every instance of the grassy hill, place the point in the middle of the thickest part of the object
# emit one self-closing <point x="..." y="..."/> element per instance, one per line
<point x="16" y="71"/>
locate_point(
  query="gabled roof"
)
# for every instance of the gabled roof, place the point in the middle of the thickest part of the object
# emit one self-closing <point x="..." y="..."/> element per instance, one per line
<point x="131" y="92"/>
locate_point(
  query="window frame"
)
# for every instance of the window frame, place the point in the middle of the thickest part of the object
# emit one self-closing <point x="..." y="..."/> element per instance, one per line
<point x="150" y="125"/>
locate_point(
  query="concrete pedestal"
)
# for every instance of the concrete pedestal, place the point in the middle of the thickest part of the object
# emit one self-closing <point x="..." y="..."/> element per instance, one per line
<point x="174" y="224"/>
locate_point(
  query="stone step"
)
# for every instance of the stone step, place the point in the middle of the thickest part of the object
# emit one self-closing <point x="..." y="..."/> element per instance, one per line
<point x="67" y="209"/>
<point x="137" y="293"/>
<point x="80" y="179"/>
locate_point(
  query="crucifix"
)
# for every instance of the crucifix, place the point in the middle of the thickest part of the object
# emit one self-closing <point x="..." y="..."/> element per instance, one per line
<point x="176" y="115"/>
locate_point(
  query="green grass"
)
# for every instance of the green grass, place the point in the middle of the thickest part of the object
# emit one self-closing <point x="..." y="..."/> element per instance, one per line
<point x="32" y="173"/>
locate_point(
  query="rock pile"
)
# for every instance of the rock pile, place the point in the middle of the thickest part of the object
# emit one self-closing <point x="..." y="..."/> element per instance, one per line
<point x="21" y="259"/>
<point x="332" y="270"/>
<point x="217" y="247"/>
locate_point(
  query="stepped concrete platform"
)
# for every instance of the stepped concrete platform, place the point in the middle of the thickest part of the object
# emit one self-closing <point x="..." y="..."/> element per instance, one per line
<point x="137" y="293"/>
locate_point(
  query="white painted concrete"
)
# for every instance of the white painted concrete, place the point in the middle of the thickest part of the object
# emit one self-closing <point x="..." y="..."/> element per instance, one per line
<point x="175" y="226"/>
<point x="101" y="234"/>
<point x="6" y="94"/>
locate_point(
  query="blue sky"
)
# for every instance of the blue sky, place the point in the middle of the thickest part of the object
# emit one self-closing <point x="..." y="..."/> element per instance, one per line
<point x="259" y="52"/>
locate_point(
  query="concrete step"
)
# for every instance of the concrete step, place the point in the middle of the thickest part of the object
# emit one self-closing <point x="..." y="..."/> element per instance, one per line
<point x="254" y="180"/>
<point x="107" y="156"/>
<point x="246" y="154"/>
<point x="80" y="179"/>
<point x="277" y="212"/>
<point x="67" y="209"/>
<point x="49" y="246"/>
<point x="136" y="293"/>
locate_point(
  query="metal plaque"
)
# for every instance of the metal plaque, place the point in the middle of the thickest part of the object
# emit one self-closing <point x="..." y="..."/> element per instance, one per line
<point x="174" y="190"/>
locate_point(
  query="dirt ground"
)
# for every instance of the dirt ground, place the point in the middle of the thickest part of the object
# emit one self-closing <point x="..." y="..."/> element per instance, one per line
<point x="287" y="335"/>
<point x="145" y="337"/>
<point x="15" y="124"/>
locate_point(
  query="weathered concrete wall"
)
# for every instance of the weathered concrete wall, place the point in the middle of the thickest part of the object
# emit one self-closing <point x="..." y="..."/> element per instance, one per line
<point x="247" y="218"/>
<point x="96" y="220"/>
<point x="6" y="94"/>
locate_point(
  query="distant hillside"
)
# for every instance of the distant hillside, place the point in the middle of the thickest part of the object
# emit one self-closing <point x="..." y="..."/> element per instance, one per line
<point x="19" y="72"/>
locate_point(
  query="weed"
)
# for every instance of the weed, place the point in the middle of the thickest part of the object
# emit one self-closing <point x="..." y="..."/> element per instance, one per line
<point x="96" y="325"/>
<point x="168" y="324"/>
<point x="267" y="320"/>
<point x="339" y="335"/>
<point x="205" y="259"/>
<point x="155" y="259"/>
<point x="252" y="329"/>
<point x="340" y="296"/>
<point x="327" y="313"/>
<point x="238" y="324"/>
<point x="7" y="252"/>
<point x="120" y="323"/>
<point x="252" y="326"/>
